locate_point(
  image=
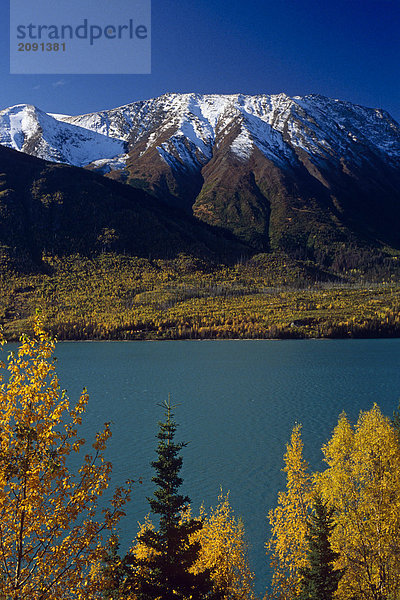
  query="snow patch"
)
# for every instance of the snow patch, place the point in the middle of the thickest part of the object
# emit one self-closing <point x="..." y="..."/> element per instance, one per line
<point x="242" y="146"/>
<point x="106" y="165"/>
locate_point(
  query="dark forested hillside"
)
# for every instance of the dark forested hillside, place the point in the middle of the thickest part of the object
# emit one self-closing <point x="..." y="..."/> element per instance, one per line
<point x="61" y="210"/>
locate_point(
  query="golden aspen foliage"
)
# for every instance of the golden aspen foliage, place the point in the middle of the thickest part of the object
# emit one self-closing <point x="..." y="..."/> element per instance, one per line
<point x="50" y="531"/>
<point x="362" y="483"/>
<point x="224" y="552"/>
<point x="288" y="545"/>
<point x="139" y="552"/>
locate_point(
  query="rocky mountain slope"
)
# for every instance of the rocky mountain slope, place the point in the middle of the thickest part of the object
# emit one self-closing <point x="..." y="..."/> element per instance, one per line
<point x="310" y="176"/>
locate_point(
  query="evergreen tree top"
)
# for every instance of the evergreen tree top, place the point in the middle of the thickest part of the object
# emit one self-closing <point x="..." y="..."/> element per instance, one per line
<point x="167" y="502"/>
<point x="170" y="552"/>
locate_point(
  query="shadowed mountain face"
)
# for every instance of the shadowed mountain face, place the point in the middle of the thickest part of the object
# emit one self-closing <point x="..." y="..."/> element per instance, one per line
<point x="304" y="175"/>
<point x="54" y="208"/>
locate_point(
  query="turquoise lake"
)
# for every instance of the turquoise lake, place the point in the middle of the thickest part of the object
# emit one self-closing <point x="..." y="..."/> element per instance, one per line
<point x="238" y="402"/>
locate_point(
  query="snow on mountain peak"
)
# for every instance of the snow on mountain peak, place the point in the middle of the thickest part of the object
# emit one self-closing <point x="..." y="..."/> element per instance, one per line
<point x="185" y="129"/>
<point x="16" y="123"/>
<point x="28" y="129"/>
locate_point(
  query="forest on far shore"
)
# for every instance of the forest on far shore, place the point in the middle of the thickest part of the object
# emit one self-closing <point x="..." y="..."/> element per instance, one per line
<point x="118" y="297"/>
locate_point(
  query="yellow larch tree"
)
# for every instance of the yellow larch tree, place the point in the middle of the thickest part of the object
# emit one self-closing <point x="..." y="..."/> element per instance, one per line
<point x="288" y="545"/>
<point x="50" y="524"/>
<point x="224" y="551"/>
<point x="362" y="484"/>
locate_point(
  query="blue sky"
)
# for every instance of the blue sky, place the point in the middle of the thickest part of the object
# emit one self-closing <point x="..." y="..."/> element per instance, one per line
<point x="347" y="49"/>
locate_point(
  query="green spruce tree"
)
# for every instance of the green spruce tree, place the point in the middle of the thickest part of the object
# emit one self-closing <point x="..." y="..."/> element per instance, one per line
<point x="319" y="579"/>
<point x="113" y="573"/>
<point x="165" y="572"/>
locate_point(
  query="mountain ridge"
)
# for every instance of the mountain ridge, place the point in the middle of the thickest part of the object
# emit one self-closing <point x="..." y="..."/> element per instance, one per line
<point x="199" y="118"/>
<point x="306" y="175"/>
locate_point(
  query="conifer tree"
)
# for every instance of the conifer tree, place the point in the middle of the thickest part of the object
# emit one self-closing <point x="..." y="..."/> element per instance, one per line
<point x="109" y="575"/>
<point x="319" y="579"/>
<point x="164" y="571"/>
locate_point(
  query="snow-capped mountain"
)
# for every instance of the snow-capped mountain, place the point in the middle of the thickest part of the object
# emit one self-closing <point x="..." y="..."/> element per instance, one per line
<point x="276" y="170"/>
<point x="30" y="130"/>
<point x="187" y="128"/>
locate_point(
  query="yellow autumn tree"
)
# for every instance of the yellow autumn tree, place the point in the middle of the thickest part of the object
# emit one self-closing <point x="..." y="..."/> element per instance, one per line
<point x="137" y="572"/>
<point x="362" y="483"/>
<point x="50" y="530"/>
<point x="288" y="545"/>
<point x="224" y="552"/>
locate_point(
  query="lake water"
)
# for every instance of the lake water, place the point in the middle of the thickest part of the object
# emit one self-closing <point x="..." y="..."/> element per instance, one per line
<point x="238" y="402"/>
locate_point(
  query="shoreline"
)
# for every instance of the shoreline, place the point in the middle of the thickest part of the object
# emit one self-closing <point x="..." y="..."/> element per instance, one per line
<point x="285" y="339"/>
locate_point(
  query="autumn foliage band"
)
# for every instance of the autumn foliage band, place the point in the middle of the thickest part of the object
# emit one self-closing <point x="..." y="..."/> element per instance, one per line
<point x="112" y="297"/>
<point x="334" y="534"/>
